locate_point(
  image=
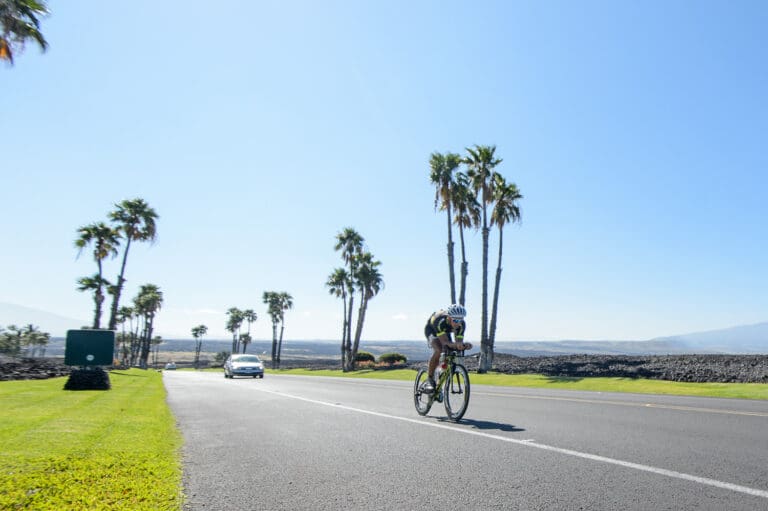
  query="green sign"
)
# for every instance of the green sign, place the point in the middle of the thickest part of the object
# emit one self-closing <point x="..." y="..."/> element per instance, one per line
<point x="89" y="347"/>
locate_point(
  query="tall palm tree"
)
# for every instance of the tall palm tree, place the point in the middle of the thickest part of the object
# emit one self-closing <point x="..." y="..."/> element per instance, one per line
<point x="234" y="321"/>
<point x="506" y="210"/>
<point x="105" y="241"/>
<point x="285" y="303"/>
<point x="136" y="221"/>
<point x="148" y="303"/>
<point x="95" y="284"/>
<point x="155" y="343"/>
<point x="19" y="23"/>
<point x="249" y="316"/>
<point x="467" y="214"/>
<point x="124" y="314"/>
<point x="442" y="167"/>
<point x="270" y="298"/>
<point x="481" y="161"/>
<point x="369" y="281"/>
<point x="245" y="340"/>
<point x="350" y="243"/>
<point x="338" y="283"/>
<point x="198" y="332"/>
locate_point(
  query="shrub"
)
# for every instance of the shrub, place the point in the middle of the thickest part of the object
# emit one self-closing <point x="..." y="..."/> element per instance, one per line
<point x="363" y="356"/>
<point x="392" y="358"/>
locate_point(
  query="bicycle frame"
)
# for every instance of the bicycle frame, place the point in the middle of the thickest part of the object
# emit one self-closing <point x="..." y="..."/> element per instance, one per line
<point x="447" y="388"/>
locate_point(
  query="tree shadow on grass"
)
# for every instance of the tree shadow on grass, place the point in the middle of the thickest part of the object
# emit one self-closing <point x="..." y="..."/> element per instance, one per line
<point x="563" y="379"/>
<point x="127" y="374"/>
<point x="486" y="425"/>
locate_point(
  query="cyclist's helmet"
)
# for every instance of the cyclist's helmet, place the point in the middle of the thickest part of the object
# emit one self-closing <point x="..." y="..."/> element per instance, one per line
<point x="457" y="312"/>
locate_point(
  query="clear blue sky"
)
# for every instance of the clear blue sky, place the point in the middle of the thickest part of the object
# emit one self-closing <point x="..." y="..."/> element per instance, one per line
<point x="635" y="130"/>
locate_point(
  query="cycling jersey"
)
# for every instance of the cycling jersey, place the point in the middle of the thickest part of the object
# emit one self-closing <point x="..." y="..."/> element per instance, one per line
<point x="437" y="325"/>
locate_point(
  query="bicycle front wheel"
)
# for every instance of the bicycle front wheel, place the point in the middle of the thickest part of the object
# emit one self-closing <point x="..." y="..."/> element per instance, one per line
<point x="422" y="400"/>
<point x="456" y="393"/>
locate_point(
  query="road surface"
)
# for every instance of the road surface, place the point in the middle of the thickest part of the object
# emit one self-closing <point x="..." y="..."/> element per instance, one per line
<point x="314" y="443"/>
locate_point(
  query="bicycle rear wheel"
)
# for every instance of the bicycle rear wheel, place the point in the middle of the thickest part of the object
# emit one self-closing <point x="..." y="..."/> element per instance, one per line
<point x="422" y="400"/>
<point x="456" y="393"/>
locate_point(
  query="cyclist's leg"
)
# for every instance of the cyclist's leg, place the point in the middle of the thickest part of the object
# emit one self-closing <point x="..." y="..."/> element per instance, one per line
<point x="437" y="349"/>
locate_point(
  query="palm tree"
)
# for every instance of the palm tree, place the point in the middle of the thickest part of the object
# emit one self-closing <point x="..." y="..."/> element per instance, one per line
<point x="34" y="340"/>
<point x="338" y="283"/>
<point x="442" y="167"/>
<point x="136" y="221"/>
<point x="105" y="241"/>
<point x="198" y="332"/>
<point x="350" y="243"/>
<point x="155" y="347"/>
<point x="481" y="162"/>
<point x="249" y="317"/>
<point x="19" y="23"/>
<point x="284" y="302"/>
<point x="125" y="314"/>
<point x="271" y="300"/>
<point x="234" y="321"/>
<point x="95" y="284"/>
<point x="370" y="282"/>
<point x="148" y="303"/>
<point x="505" y="211"/>
<point x="467" y="214"/>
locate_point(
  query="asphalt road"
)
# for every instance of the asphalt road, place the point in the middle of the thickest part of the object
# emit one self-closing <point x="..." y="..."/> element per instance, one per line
<point x="313" y="443"/>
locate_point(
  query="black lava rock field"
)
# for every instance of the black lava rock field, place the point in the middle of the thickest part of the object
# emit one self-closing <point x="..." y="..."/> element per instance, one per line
<point x="686" y="368"/>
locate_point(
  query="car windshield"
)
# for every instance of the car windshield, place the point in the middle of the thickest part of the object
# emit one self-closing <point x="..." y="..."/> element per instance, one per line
<point x="246" y="358"/>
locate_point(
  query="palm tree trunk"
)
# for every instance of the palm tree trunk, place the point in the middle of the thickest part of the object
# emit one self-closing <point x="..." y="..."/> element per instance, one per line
<point x="451" y="272"/>
<point x="274" y="344"/>
<point x="118" y="288"/>
<point x="486" y="351"/>
<point x="99" y="299"/>
<point x="348" y="349"/>
<point x="494" y="310"/>
<point x="344" y="334"/>
<point x="280" y="342"/>
<point x="359" y="329"/>
<point x="464" y="268"/>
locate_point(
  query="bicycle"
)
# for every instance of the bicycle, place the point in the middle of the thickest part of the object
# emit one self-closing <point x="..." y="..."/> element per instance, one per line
<point x="452" y="387"/>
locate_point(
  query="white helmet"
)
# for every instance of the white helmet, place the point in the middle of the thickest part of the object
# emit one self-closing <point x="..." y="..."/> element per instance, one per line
<point x="457" y="311"/>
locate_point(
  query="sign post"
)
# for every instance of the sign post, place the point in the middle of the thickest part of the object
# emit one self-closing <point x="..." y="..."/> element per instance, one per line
<point x="89" y="349"/>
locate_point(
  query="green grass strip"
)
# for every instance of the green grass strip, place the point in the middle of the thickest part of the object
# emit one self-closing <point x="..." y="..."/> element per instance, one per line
<point x="632" y="385"/>
<point x="112" y="449"/>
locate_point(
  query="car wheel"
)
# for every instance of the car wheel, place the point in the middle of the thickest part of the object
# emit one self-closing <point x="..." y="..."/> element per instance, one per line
<point x="261" y="376"/>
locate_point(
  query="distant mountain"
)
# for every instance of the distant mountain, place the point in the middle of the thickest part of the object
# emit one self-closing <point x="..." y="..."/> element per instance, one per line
<point x="737" y="339"/>
<point x="57" y="326"/>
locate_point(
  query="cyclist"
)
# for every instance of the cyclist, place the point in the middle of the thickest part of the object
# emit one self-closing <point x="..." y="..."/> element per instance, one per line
<point x="438" y="333"/>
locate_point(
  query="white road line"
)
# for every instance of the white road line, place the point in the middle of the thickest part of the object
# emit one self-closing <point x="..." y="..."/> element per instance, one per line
<point x="530" y="443"/>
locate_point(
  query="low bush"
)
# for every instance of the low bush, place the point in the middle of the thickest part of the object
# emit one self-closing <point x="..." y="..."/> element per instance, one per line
<point x="392" y="358"/>
<point x="364" y="356"/>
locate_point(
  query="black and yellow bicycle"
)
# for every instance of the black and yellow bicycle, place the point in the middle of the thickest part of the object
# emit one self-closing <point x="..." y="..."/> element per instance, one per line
<point x="451" y="388"/>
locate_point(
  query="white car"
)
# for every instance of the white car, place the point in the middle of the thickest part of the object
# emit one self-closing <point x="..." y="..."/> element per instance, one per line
<point x="243" y="365"/>
<point x="170" y="366"/>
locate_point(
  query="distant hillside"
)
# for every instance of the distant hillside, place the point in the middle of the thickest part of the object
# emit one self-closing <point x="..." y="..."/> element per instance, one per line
<point x="57" y="326"/>
<point x="739" y="339"/>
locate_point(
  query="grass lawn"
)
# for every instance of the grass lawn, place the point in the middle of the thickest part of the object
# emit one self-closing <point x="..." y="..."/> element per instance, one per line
<point x="96" y="450"/>
<point x="639" y="385"/>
